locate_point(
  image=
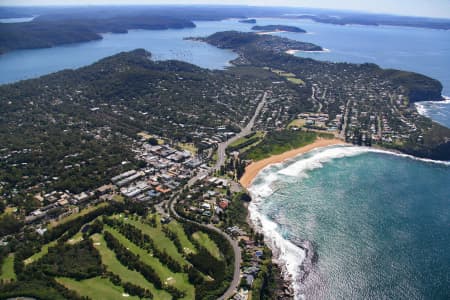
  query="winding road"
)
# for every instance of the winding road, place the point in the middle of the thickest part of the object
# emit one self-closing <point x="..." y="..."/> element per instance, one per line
<point x="220" y="161"/>
<point x="234" y="244"/>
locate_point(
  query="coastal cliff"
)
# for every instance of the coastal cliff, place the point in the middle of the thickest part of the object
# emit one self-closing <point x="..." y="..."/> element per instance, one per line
<point x="418" y="87"/>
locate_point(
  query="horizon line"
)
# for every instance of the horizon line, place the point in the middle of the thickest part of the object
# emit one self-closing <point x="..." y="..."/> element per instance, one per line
<point x="212" y="5"/>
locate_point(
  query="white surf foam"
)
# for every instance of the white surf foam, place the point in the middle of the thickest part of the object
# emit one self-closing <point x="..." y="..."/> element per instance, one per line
<point x="421" y="109"/>
<point x="290" y="255"/>
<point x="299" y="168"/>
<point x="422" y="106"/>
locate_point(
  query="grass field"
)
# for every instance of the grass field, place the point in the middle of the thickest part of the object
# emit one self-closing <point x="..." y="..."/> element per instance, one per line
<point x="245" y="143"/>
<point x="76" y="238"/>
<point x="126" y="275"/>
<point x="279" y="142"/>
<point x="204" y="240"/>
<point x="79" y="214"/>
<point x="189" y="147"/>
<point x="40" y="254"/>
<point x="283" y="73"/>
<point x="296" y="80"/>
<point x="7" y="272"/>
<point x="162" y="242"/>
<point x="297" y="123"/>
<point x="10" y="210"/>
<point x="289" y="76"/>
<point x="118" y="198"/>
<point x="176" y="228"/>
<point x="178" y="280"/>
<point x="96" y="288"/>
<point x="145" y="135"/>
<point x="242" y="140"/>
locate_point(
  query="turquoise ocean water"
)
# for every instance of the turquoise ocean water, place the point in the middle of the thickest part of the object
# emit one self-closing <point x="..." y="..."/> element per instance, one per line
<point x="379" y="223"/>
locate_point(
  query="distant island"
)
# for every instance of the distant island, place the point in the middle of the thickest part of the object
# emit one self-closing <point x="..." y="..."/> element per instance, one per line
<point x="249" y="21"/>
<point x="270" y="28"/>
<point x="237" y="40"/>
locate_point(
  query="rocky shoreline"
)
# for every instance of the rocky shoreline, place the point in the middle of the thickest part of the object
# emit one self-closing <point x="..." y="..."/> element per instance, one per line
<point x="285" y="282"/>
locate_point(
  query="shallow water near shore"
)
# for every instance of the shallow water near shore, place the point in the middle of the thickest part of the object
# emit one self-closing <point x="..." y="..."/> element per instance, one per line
<point x="379" y="222"/>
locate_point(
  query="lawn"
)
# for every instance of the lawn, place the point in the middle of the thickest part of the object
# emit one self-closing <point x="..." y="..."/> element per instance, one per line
<point x="179" y="280"/>
<point x="40" y="254"/>
<point x="277" y="142"/>
<point x="296" y="80"/>
<point x="189" y="147"/>
<point x="176" y="228"/>
<point x="7" y="273"/>
<point x="283" y="73"/>
<point x="126" y="275"/>
<point x="145" y="135"/>
<point x="10" y="210"/>
<point x="246" y="142"/>
<point x="79" y="214"/>
<point x="204" y="240"/>
<point x="297" y="123"/>
<point x="118" y="198"/>
<point x="76" y="238"/>
<point x="258" y="134"/>
<point x="96" y="288"/>
<point x="162" y="242"/>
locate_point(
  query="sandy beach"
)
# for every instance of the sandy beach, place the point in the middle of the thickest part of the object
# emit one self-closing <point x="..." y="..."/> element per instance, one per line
<point x="292" y="51"/>
<point x="270" y="32"/>
<point x="252" y="170"/>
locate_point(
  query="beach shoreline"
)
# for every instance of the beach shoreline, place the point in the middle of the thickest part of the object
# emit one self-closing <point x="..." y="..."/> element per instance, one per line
<point x="253" y="169"/>
<point x="294" y="51"/>
<point x="270" y="32"/>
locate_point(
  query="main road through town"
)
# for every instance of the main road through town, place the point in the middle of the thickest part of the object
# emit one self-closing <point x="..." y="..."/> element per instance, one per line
<point x="220" y="161"/>
<point x="221" y="155"/>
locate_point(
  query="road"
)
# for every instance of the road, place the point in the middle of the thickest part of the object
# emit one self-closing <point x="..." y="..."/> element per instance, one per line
<point x="221" y="154"/>
<point x="220" y="161"/>
<point x="234" y="244"/>
<point x="314" y="97"/>
<point x="344" y="126"/>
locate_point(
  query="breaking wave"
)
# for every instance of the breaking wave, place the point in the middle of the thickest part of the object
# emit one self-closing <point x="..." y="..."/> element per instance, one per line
<point x="292" y="255"/>
<point x="424" y="108"/>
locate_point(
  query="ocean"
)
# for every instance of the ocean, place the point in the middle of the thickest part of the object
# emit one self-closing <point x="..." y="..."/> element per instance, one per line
<point x="378" y="223"/>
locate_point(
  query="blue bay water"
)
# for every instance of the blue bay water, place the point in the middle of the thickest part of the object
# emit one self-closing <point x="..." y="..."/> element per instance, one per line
<point x="379" y="222"/>
<point x="420" y="50"/>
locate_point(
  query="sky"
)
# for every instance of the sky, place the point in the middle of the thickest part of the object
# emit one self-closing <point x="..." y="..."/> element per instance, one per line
<point x="430" y="8"/>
